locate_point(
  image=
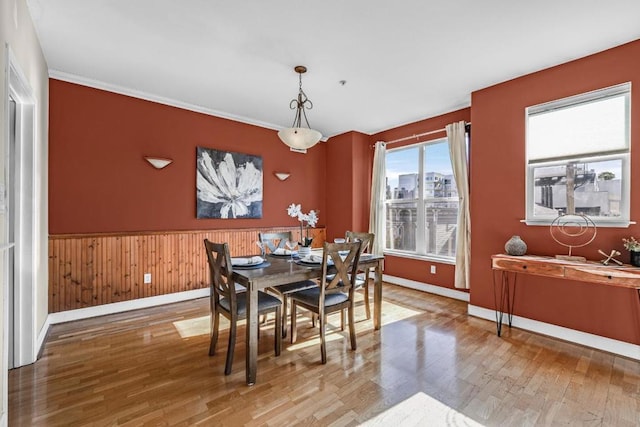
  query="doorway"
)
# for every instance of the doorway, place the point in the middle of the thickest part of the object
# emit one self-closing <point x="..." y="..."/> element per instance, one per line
<point x="19" y="212"/>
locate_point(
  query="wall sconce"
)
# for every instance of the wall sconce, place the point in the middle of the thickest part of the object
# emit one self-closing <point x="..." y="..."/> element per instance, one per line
<point x="158" y="162"/>
<point x="281" y="175"/>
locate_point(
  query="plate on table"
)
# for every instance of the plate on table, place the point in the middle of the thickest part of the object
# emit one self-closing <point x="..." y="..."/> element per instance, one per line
<point x="246" y="261"/>
<point x="263" y="264"/>
<point x="283" y="253"/>
<point x="312" y="260"/>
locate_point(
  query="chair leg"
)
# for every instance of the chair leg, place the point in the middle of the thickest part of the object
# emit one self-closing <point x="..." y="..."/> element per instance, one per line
<point x="232" y="344"/>
<point x="277" y="331"/>
<point x="215" y="329"/>
<point x="342" y="319"/>
<point x="313" y="320"/>
<point x="285" y="302"/>
<point x="352" y="326"/>
<point x="294" y="329"/>
<point x="366" y="296"/>
<point x="323" y="345"/>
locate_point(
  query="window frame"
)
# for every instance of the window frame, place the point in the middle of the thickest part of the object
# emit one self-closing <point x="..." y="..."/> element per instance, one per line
<point x="420" y="202"/>
<point x="624" y="155"/>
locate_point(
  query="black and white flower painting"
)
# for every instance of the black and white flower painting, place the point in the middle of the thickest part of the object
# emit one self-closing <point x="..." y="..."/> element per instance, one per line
<point x="229" y="185"/>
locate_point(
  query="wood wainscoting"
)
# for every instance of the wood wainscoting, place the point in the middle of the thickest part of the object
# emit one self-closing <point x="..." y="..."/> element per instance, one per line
<point x="88" y="270"/>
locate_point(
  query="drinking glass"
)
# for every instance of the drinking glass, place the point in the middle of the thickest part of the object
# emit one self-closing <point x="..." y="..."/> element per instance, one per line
<point x="261" y="247"/>
<point x="290" y="244"/>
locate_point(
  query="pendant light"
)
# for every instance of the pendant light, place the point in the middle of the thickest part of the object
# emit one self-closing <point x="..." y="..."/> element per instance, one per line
<point x="300" y="138"/>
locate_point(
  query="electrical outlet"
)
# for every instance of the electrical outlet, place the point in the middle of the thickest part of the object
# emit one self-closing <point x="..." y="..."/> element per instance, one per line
<point x="147" y="278"/>
<point x="433" y="269"/>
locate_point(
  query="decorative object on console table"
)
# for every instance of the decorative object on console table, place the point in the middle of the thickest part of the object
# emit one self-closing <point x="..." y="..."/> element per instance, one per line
<point x="610" y="257"/>
<point x="633" y="246"/>
<point x="515" y="246"/>
<point x="573" y="231"/>
<point x="295" y="211"/>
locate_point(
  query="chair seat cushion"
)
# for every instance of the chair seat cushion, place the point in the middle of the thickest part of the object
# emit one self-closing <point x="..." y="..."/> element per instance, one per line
<point x="296" y="286"/>
<point x="265" y="302"/>
<point x="312" y="297"/>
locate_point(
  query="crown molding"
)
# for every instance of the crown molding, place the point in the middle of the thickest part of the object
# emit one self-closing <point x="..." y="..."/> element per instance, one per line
<point x="97" y="84"/>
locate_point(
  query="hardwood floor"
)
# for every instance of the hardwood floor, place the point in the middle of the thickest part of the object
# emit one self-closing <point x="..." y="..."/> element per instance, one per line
<point x="150" y="367"/>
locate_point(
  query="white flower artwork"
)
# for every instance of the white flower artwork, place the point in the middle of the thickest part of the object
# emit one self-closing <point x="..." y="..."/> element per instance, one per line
<point x="229" y="185"/>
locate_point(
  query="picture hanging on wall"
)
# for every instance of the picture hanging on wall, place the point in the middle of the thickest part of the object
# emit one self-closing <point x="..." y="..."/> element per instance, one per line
<point x="228" y="184"/>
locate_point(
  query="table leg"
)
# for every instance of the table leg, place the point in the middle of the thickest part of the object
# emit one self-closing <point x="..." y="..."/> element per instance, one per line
<point x="252" y="334"/>
<point x="507" y="297"/>
<point x="377" y="297"/>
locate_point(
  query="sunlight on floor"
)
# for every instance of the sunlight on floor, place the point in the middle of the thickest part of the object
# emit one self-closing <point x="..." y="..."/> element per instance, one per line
<point x="198" y="326"/>
<point x="421" y="410"/>
<point x="390" y="313"/>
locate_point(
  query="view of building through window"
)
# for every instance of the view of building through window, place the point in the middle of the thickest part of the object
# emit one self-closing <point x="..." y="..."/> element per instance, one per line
<point x="578" y="156"/>
<point x="421" y="200"/>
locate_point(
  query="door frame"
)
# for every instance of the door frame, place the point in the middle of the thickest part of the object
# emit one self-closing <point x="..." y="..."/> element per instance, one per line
<point x="24" y="291"/>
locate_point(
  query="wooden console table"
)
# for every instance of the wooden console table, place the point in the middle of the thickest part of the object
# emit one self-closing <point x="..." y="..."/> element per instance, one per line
<point x="508" y="267"/>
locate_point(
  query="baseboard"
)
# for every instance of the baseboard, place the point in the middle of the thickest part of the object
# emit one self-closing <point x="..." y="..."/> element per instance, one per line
<point x="425" y="287"/>
<point x="119" y="307"/>
<point x="622" y="348"/>
<point x="42" y="336"/>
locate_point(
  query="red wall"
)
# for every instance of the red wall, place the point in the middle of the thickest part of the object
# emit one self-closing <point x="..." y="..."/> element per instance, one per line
<point x="414" y="269"/>
<point x="349" y="164"/>
<point x="100" y="182"/>
<point x="498" y="197"/>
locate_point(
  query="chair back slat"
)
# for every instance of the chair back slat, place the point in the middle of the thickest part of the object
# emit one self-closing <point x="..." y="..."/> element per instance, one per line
<point x="365" y="238"/>
<point x="273" y="241"/>
<point x="220" y="269"/>
<point x="344" y="266"/>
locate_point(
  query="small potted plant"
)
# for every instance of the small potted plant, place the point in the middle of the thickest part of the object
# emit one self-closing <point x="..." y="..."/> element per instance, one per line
<point x="633" y="246"/>
<point x="295" y="211"/>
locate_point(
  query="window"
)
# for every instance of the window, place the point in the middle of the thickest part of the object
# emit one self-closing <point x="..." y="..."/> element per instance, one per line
<point x="421" y="201"/>
<point x="578" y="157"/>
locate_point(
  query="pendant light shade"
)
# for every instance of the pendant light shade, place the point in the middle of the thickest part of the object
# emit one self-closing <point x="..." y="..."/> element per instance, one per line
<point x="298" y="137"/>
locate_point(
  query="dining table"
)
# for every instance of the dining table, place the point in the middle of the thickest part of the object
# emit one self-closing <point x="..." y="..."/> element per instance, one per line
<point x="280" y="270"/>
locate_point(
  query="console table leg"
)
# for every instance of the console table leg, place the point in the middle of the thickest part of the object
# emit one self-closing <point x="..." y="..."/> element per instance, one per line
<point x="507" y="297"/>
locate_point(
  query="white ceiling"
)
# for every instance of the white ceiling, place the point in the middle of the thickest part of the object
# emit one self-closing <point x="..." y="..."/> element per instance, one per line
<point x="403" y="60"/>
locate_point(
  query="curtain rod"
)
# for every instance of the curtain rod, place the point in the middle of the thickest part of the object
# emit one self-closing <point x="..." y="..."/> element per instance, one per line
<point x="406" y="138"/>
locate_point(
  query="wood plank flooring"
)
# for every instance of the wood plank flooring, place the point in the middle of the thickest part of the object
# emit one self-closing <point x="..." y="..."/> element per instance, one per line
<point x="150" y="367"/>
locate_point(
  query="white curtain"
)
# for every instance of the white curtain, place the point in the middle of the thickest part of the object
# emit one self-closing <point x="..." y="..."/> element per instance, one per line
<point x="377" y="212"/>
<point x="458" y="153"/>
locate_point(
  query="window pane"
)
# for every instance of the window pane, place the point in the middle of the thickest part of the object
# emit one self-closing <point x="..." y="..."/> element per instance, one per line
<point x="594" y="186"/>
<point x="402" y="173"/>
<point x="401" y="225"/>
<point x="421" y="201"/>
<point x="441" y="225"/>
<point x="441" y="201"/>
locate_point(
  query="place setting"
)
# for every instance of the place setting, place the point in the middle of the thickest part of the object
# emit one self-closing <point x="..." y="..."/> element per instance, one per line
<point x="249" y="263"/>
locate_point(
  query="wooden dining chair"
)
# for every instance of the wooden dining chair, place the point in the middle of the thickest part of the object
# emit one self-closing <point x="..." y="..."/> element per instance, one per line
<point x="226" y="300"/>
<point x="366" y="245"/>
<point x="274" y="241"/>
<point x="333" y="294"/>
<point x="270" y="242"/>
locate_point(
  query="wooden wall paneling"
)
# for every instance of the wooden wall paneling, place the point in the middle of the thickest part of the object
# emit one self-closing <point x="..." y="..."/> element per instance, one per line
<point x="91" y="270"/>
<point x="51" y="293"/>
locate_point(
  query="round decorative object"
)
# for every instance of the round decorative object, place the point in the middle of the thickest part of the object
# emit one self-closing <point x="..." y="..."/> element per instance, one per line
<point x="515" y="246"/>
<point x="634" y="258"/>
<point x="573" y="231"/>
<point x="303" y="251"/>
